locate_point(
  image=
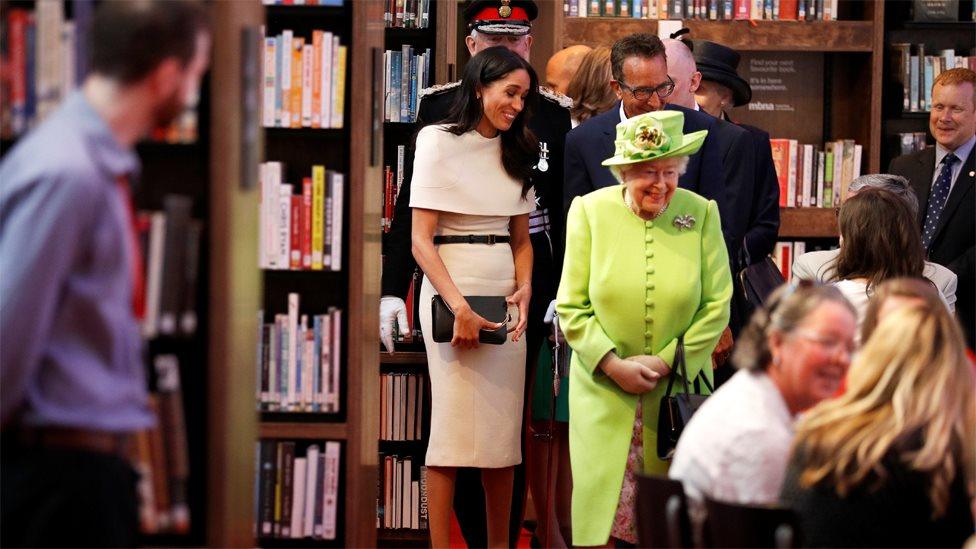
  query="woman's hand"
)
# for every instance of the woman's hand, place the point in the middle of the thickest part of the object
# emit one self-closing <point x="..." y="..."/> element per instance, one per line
<point x="520" y="298"/>
<point x="467" y="327"/>
<point x="631" y="375"/>
<point x="655" y="363"/>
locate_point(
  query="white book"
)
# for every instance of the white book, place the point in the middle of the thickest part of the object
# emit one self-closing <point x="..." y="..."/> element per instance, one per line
<point x="808" y="161"/>
<point x="308" y="53"/>
<point x="308" y="365"/>
<point x="311" y="487"/>
<point x="330" y="495"/>
<point x="791" y="201"/>
<point x="286" y="49"/>
<point x="415" y="505"/>
<point x="154" y="274"/>
<point x="858" y="150"/>
<point x="283" y="227"/>
<point x="269" y="84"/>
<point x="838" y="148"/>
<point x="337" y="85"/>
<point x="326" y="95"/>
<point x="293" y="335"/>
<point x="336" y="193"/>
<point x="336" y="356"/>
<point x="298" y="499"/>
<point x="325" y="363"/>
<point x="262" y="215"/>
<point x="272" y="233"/>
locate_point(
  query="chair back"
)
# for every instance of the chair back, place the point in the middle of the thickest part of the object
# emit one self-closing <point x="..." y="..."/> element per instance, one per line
<point x="662" y="513"/>
<point x="733" y="525"/>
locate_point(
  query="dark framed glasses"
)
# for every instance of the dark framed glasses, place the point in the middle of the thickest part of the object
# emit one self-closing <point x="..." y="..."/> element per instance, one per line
<point x="644" y="93"/>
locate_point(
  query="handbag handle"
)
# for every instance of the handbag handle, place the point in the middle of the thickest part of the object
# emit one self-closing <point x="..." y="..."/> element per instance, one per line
<point x="681" y="370"/>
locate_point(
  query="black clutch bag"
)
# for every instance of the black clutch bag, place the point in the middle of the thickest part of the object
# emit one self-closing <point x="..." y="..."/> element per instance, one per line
<point x="676" y="410"/>
<point x="492" y="308"/>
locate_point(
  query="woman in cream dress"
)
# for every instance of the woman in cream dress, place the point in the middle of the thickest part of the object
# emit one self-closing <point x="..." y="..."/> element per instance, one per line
<point x="470" y="180"/>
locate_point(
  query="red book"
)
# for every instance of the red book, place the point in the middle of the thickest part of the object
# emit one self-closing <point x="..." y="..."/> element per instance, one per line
<point x="17" y="22"/>
<point x="788" y="10"/>
<point x="306" y="227"/>
<point x="295" y="245"/>
<point x="742" y="9"/>
<point x="388" y="200"/>
<point x="781" y="160"/>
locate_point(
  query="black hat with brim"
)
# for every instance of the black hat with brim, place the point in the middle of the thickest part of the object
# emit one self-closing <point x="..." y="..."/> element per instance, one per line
<point x="505" y="17"/>
<point x="718" y="63"/>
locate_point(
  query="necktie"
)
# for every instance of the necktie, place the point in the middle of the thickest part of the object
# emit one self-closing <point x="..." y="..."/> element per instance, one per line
<point x="937" y="200"/>
<point x="135" y="252"/>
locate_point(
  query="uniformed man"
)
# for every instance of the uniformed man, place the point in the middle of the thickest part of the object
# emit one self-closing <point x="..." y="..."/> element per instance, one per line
<point x="490" y="23"/>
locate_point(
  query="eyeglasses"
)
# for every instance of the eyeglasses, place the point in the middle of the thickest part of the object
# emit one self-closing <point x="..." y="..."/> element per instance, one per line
<point x="644" y="93"/>
<point x="829" y="344"/>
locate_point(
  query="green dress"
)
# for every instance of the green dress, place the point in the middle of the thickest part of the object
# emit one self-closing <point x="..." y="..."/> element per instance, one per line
<point x="542" y="389"/>
<point x="632" y="286"/>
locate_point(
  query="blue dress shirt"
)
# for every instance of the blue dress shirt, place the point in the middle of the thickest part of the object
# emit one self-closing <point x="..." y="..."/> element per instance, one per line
<point x="70" y="350"/>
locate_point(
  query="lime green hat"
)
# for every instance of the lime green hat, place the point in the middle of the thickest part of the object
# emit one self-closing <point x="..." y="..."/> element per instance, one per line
<point x="653" y="136"/>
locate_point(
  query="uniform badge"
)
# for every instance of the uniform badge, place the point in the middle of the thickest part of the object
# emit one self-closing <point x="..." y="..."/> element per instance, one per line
<point x="505" y="10"/>
<point x="543" y="165"/>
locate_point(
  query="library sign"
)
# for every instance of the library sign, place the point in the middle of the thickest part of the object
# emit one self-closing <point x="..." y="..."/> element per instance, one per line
<point x="787" y="94"/>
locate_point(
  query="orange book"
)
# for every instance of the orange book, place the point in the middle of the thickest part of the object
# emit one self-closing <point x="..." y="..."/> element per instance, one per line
<point x="788" y="10"/>
<point x="781" y="160"/>
<point x="317" y="78"/>
<point x="295" y="100"/>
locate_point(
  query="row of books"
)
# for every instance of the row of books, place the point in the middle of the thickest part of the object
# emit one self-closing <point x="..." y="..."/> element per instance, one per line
<point x="45" y="57"/>
<point x="299" y="361"/>
<point x="303" y="81"/>
<point x="170" y="244"/>
<point x="301" y="225"/>
<point x="402" y="498"/>
<point x="785" y="253"/>
<point x="916" y="72"/>
<point x="302" y="2"/>
<point x="407" y="14"/>
<point x="911" y="142"/>
<point x="786" y="10"/>
<point x="392" y="183"/>
<point x="406" y="72"/>
<point x="402" y="406"/>
<point x="160" y="456"/>
<point x="297" y="495"/>
<point x="813" y="178"/>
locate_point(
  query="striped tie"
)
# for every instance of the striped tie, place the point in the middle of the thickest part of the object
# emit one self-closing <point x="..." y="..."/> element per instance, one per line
<point x="937" y="200"/>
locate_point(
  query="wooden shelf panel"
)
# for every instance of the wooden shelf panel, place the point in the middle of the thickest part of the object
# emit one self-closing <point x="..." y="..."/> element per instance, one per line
<point x="410" y="357"/>
<point x="327" y="431"/>
<point x="402" y="535"/>
<point x="838" y="36"/>
<point x="808" y="223"/>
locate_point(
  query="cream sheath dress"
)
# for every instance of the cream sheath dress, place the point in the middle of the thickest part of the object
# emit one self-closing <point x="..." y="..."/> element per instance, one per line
<point x="476" y="394"/>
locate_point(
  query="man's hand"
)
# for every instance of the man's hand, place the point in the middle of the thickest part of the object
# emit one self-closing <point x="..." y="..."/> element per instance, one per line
<point x="392" y="311"/>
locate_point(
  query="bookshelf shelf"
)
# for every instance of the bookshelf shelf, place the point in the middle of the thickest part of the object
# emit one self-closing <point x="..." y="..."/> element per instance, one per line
<point x="808" y="223"/>
<point x="318" y="133"/>
<point x="402" y="535"/>
<point x="409" y="357"/>
<point x="289" y="430"/>
<point x="278" y="10"/>
<point x="824" y="36"/>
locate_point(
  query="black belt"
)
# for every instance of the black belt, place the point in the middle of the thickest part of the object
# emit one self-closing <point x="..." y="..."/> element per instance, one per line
<point x="471" y="239"/>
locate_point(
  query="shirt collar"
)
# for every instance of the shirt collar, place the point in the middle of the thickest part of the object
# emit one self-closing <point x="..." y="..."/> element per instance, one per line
<point x="623" y="115"/>
<point x="115" y="158"/>
<point x="961" y="152"/>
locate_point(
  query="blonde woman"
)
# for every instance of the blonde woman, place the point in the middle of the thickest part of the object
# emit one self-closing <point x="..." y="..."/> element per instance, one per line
<point x="590" y="87"/>
<point x="889" y="463"/>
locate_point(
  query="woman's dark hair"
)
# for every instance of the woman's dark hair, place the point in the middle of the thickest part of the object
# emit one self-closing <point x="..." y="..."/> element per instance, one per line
<point x="881" y="239"/>
<point x="520" y="149"/>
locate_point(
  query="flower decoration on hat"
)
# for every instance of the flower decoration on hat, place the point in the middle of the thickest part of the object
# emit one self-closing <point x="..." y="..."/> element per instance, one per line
<point x="645" y="140"/>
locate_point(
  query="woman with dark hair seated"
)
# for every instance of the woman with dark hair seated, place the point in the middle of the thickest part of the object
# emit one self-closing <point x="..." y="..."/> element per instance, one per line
<point x="890" y="462"/>
<point x="471" y="199"/>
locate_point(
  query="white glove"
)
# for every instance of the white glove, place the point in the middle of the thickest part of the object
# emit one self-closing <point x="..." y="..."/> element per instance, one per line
<point x="392" y="310"/>
<point x="550" y="312"/>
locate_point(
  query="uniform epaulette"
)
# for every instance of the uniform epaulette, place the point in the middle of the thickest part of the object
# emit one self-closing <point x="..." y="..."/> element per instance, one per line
<point x="556" y="97"/>
<point x="434" y="90"/>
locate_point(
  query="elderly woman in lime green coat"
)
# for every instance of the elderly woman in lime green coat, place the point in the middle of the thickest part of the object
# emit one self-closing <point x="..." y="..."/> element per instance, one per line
<point x="645" y="263"/>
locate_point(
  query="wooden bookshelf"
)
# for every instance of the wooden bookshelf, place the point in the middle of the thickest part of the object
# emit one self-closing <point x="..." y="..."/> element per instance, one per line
<point x="408" y="357"/>
<point x="808" y="223"/>
<point x="292" y="430"/>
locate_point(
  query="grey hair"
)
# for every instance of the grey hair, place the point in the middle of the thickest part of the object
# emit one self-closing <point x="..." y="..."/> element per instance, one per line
<point x="895" y="184"/>
<point x="682" y="168"/>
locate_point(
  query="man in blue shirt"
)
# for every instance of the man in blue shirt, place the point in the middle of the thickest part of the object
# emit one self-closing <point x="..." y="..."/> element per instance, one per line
<point x="72" y="381"/>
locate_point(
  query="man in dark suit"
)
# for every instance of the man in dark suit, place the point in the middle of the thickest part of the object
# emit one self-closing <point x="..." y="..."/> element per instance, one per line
<point x="491" y="23"/>
<point x="943" y="179"/>
<point x="641" y="81"/>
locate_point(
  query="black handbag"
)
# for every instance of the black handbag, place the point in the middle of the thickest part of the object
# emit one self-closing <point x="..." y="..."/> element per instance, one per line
<point x="759" y="280"/>
<point x="492" y="308"/>
<point x="676" y="410"/>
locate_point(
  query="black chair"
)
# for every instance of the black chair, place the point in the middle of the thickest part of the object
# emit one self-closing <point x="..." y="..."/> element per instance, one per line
<point x="662" y="513"/>
<point x="732" y="525"/>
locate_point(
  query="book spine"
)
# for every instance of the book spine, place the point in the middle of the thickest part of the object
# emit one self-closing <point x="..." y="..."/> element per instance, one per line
<point x="284" y="225"/>
<point x="308" y="55"/>
<point x="287" y="487"/>
<point x="295" y="98"/>
<point x="337" y="206"/>
<point x="298" y="498"/>
<point x="306" y="228"/>
<point x="286" y="49"/>
<point x="339" y="83"/>
<point x="330" y="490"/>
<point x="295" y="233"/>
<point x="318" y="213"/>
<point x="327" y="40"/>
<point x="270" y="83"/>
<point x="317" y="78"/>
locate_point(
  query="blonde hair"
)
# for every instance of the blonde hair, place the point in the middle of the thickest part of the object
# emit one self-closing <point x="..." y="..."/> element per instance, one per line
<point x="910" y="391"/>
<point x="590" y="87"/>
<point x="912" y="288"/>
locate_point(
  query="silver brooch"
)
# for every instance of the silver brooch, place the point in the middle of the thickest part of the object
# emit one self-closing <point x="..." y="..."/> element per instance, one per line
<point x="686" y="221"/>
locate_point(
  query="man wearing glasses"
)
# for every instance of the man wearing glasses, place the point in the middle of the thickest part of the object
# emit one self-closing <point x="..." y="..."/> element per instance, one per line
<point x="640" y="79"/>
